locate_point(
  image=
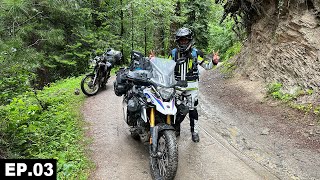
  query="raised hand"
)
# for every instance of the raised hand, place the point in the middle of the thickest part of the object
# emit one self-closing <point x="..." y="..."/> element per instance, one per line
<point x="152" y="54"/>
<point x="215" y="57"/>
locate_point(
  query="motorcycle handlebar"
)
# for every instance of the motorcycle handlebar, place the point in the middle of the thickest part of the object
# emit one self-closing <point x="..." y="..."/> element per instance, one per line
<point x="147" y="82"/>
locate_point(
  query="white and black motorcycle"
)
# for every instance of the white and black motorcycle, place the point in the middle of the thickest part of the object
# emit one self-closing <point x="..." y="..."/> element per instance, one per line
<point x="150" y="109"/>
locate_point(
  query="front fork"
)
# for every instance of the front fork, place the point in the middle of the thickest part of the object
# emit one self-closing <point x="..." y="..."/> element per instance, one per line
<point x="154" y="131"/>
<point x="95" y="78"/>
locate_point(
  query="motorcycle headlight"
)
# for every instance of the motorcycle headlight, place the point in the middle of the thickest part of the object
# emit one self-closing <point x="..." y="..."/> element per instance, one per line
<point x="92" y="63"/>
<point x="166" y="93"/>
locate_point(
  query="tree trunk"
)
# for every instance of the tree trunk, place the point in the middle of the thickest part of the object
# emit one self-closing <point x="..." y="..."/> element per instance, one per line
<point x="174" y="26"/>
<point x="121" y="32"/>
<point x="96" y="7"/>
<point x="132" y="37"/>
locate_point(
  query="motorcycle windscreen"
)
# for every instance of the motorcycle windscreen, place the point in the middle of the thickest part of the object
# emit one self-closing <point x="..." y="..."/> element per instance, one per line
<point x="163" y="71"/>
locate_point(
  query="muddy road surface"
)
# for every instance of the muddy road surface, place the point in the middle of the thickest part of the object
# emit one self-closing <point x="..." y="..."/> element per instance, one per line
<point x="117" y="156"/>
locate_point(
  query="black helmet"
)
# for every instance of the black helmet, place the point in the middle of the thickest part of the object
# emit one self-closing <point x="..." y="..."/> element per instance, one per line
<point x="184" y="33"/>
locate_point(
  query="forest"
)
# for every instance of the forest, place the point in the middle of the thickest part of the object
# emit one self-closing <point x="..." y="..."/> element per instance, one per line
<point x="44" y="41"/>
<point x="45" y="48"/>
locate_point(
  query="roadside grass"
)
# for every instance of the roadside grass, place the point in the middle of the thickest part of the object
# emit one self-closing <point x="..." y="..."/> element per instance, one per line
<point x="274" y="91"/>
<point x="48" y="124"/>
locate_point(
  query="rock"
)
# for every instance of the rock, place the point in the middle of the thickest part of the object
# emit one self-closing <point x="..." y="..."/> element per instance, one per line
<point x="76" y="91"/>
<point x="311" y="133"/>
<point x="265" y="131"/>
<point x="305" y="134"/>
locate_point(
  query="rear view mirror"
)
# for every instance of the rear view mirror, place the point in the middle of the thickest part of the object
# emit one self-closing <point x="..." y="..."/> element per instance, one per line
<point x="135" y="55"/>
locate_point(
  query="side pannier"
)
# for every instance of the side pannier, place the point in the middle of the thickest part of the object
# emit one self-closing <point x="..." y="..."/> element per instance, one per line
<point x="121" y="85"/>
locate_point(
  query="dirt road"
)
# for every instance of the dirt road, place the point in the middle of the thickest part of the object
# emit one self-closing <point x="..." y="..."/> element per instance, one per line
<point x="118" y="156"/>
<point x="239" y="139"/>
<point x="283" y="140"/>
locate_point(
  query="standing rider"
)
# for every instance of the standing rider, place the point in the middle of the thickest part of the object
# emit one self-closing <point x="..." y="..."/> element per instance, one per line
<point x="189" y="71"/>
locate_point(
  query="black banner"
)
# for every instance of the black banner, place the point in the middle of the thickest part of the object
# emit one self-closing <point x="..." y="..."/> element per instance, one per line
<point x="33" y="168"/>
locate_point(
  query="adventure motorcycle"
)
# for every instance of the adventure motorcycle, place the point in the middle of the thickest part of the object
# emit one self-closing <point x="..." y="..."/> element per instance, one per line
<point x="100" y="75"/>
<point x="98" y="78"/>
<point x="150" y="110"/>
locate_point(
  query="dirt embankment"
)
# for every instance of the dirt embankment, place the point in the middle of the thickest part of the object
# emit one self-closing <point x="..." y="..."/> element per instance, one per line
<point x="284" y="46"/>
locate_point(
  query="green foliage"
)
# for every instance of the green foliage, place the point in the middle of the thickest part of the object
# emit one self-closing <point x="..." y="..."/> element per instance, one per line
<point x="303" y="107"/>
<point x="222" y="37"/>
<point x="16" y="69"/>
<point x="316" y="110"/>
<point x="233" y="50"/>
<point x="47" y="125"/>
<point x="198" y="20"/>
<point x="228" y="68"/>
<point x="36" y="43"/>
<point x="309" y="91"/>
<point x="274" y="89"/>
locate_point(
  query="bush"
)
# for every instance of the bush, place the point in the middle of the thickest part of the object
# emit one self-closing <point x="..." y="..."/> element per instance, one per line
<point x="274" y="90"/>
<point x="47" y="125"/>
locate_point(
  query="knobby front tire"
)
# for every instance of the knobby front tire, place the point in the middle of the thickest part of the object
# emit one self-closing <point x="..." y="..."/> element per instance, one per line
<point x="87" y="86"/>
<point x="165" y="167"/>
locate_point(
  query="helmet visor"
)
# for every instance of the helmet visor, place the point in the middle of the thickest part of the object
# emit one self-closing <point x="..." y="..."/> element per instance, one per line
<point x="183" y="41"/>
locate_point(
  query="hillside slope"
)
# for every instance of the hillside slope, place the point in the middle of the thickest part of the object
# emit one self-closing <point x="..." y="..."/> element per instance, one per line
<point x="283" y="45"/>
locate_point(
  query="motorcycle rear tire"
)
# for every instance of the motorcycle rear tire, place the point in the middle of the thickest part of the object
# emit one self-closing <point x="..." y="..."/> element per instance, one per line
<point x="95" y="88"/>
<point x="172" y="153"/>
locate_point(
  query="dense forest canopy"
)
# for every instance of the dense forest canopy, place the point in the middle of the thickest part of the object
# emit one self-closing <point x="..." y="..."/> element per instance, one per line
<point x="45" y="40"/>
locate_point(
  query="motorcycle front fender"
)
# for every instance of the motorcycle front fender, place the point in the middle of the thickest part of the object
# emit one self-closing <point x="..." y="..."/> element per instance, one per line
<point x="163" y="126"/>
<point x="155" y="134"/>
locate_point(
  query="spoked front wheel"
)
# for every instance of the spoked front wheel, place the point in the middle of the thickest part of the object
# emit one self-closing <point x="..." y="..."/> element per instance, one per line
<point x="164" y="165"/>
<point x="89" y="87"/>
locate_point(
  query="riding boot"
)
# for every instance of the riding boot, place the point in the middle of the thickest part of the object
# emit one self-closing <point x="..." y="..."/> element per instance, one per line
<point x="194" y="126"/>
<point x="194" y="130"/>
